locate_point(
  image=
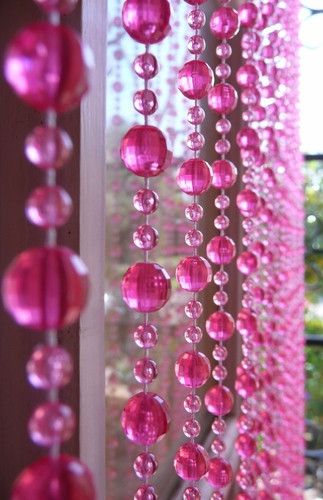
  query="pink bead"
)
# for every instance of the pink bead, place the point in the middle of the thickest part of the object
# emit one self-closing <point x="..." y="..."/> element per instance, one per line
<point x="145" y="418"/>
<point x="145" y="237"/>
<point x="222" y="146"/>
<point x="221" y="278"/>
<point x="196" y="44"/>
<point x="250" y="96"/>
<point x="48" y="206"/>
<point x="223" y="98"/>
<point x="144" y="151"/>
<point x="220" y="473"/>
<point x="248" y="13"/>
<point x="45" y="288"/>
<point x="250" y="41"/>
<point x="223" y="126"/>
<point x="223" y="71"/>
<point x="245" y="385"/>
<point x="46" y="66"/>
<point x="246" y="322"/>
<point x="145" y="102"/>
<point x="146" y="287"/>
<point x="196" y="19"/>
<point x="193" y="273"/>
<point x="63" y="478"/>
<point x="195" y="141"/>
<point x="220" y="326"/>
<point x="146" y="201"/>
<point x="51" y="423"/>
<point x="194" y="238"/>
<point x="48" y="147"/>
<point x="217" y="445"/>
<point x="191" y="428"/>
<point x="193" y="309"/>
<point x="195" y="115"/>
<point x="247" y="263"/>
<point x="223" y="51"/>
<point x="192" y="369"/>
<point x="220" y="298"/>
<point x="222" y="201"/>
<point x="146" y="492"/>
<point x="145" y="465"/>
<point x="145" y="336"/>
<point x="62" y="6"/>
<point x="191" y="462"/>
<point x="219" y="373"/>
<point x="224" y="23"/>
<point x="224" y="174"/>
<point x="221" y="222"/>
<point x="195" y="79"/>
<point x="146" y="21"/>
<point x="245" y="446"/>
<point x="194" y="212"/>
<point x="145" y="370"/>
<point x="221" y="250"/>
<point x="193" y="334"/>
<point x="194" y="176"/>
<point x="192" y="403"/>
<point x="49" y="367"/>
<point x="218" y="426"/>
<point x="248" y="203"/>
<point x="191" y="493"/>
<point x="195" y="2"/>
<point x="247" y="137"/>
<point x="219" y="400"/>
<point x="247" y="75"/>
<point x="146" y="66"/>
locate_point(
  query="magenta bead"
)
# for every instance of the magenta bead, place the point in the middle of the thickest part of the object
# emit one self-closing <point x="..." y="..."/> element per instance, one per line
<point x="247" y="263"/>
<point x="191" y="462"/>
<point x="245" y="446"/>
<point x="196" y="44"/>
<point x="219" y="372"/>
<point x="224" y="50"/>
<point x="224" y="174"/>
<point x="145" y="370"/>
<point x="218" y="426"/>
<point x="223" y="71"/>
<point x="223" y="98"/>
<point x="192" y="403"/>
<point x="195" y="115"/>
<point x="217" y="445"/>
<point x="250" y="41"/>
<point x="219" y="474"/>
<point x="146" y="201"/>
<point x="47" y="67"/>
<point x="193" y="309"/>
<point x="223" y="126"/>
<point x="219" y="400"/>
<point x="248" y="13"/>
<point x="144" y="151"/>
<point x="146" y="66"/>
<point x="62" y="6"/>
<point x="221" y="250"/>
<point x="248" y="203"/>
<point x="194" y="176"/>
<point x="145" y="465"/>
<point x="193" y="334"/>
<point x="194" y="238"/>
<point x="193" y="273"/>
<point x="247" y="137"/>
<point x="194" y="212"/>
<point x="220" y="298"/>
<point x="192" y="369"/>
<point x="196" y="19"/>
<point x="48" y="206"/>
<point x="63" y="478"/>
<point x="51" y="423"/>
<point x="247" y="76"/>
<point x="221" y="278"/>
<point x="221" y="222"/>
<point x="45" y="288"/>
<point x="246" y="385"/>
<point x="195" y="79"/>
<point x="49" y="367"/>
<point x="145" y="237"/>
<point x="224" y="23"/>
<point x="145" y="336"/>
<point x="146" y="287"/>
<point x="145" y="418"/>
<point x="145" y="102"/>
<point x="48" y="147"/>
<point x="146" y="21"/>
<point x="220" y="326"/>
<point x="191" y="493"/>
<point x="146" y="492"/>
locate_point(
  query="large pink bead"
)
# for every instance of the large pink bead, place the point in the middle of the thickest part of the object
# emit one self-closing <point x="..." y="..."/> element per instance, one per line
<point x="48" y="147"/>
<point x="192" y="369"/>
<point x="62" y="6"/>
<point x="224" y="174"/>
<point x="219" y="474"/>
<point x="49" y="367"/>
<point x="246" y="384"/>
<point x="45" y="288"/>
<point x="48" y="206"/>
<point x="144" y="151"/>
<point x="247" y="137"/>
<point x="248" y="13"/>
<point x="146" y="21"/>
<point x="247" y="263"/>
<point x="193" y="273"/>
<point x="146" y="287"/>
<point x="219" y="400"/>
<point x="145" y="418"/>
<point x="194" y="176"/>
<point x="246" y="322"/>
<point x="51" y="423"/>
<point x="224" y="23"/>
<point x="64" y="478"/>
<point x="47" y="67"/>
<point x="220" y="326"/>
<point x="223" y="98"/>
<point x="247" y="76"/>
<point x="191" y="462"/>
<point x="248" y="203"/>
<point x="245" y="446"/>
<point x="221" y="250"/>
<point x="195" y="79"/>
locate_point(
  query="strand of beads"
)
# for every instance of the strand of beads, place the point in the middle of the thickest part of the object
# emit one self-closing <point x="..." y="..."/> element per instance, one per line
<point x="146" y="285"/>
<point x="193" y="273"/>
<point x="45" y="288"/>
<point x="222" y="99"/>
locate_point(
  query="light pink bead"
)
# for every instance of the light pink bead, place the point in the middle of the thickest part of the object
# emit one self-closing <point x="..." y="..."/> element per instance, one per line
<point x="196" y="44"/>
<point x="245" y="445"/>
<point x="145" y="237"/>
<point x="49" y="367"/>
<point x="191" y="428"/>
<point x="48" y="147"/>
<point x="248" y="13"/>
<point x="51" y="423"/>
<point x="191" y="462"/>
<point x="145" y="370"/>
<point x="220" y="473"/>
<point x="145" y="336"/>
<point x="145" y="102"/>
<point x="145" y="465"/>
<point x="192" y="403"/>
<point x="146" y="492"/>
<point x="247" y="263"/>
<point x="193" y="309"/>
<point x="193" y="334"/>
<point x="146" y="66"/>
<point x="194" y="238"/>
<point x="196" y="19"/>
<point x="194" y="212"/>
<point x="247" y="75"/>
<point x="195" y="115"/>
<point x="191" y="493"/>
<point x="146" y="201"/>
<point x="48" y="206"/>
<point x="224" y="23"/>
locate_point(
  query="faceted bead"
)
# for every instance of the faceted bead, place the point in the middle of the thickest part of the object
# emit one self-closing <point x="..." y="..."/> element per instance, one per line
<point x="146" y="287"/>
<point x="219" y="373"/>
<point x="194" y="176"/>
<point x="146" y="492"/>
<point x="193" y="334"/>
<point x="247" y="137"/>
<point x="224" y="174"/>
<point x="194" y="238"/>
<point x="217" y="446"/>
<point x="49" y="367"/>
<point x="62" y="6"/>
<point x="248" y="13"/>
<point x="145" y="102"/>
<point x="194" y="212"/>
<point x="191" y="428"/>
<point x="145" y="418"/>
<point x="220" y="326"/>
<point x="247" y="76"/>
<point x="145" y="237"/>
<point x="220" y="473"/>
<point x="195" y="79"/>
<point x="47" y="67"/>
<point x="248" y="203"/>
<point x="223" y="126"/>
<point x="223" y="51"/>
<point x="45" y="288"/>
<point x="221" y="278"/>
<point x="144" y="151"/>
<point x="195" y="115"/>
<point x="196" y="44"/>
<point x="192" y="403"/>
<point x="195" y="141"/>
<point x="146" y="201"/>
<point x="222" y="201"/>
<point x="56" y="479"/>
<point x="224" y="23"/>
<point x="193" y="273"/>
<point x="223" y="71"/>
<point x="221" y="222"/>
<point x="146" y="66"/>
<point x="245" y="446"/>
<point x="145" y="336"/>
<point x="48" y="206"/>
<point x="191" y="462"/>
<point x="145" y="370"/>
<point x="145" y="465"/>
<point x="146" y="21"/>
<point x="51" y="423"/>
<point x="221" y="250"/>
<point x="222" y="98"/>
<point x="48" y="147"/>
<point x="220" y="298"/>
<point x="247" y="263"/>
<point x="193" y="309"/>
<point x="196" y="19"/>
<point x="222" y="146"/>
<point x="192" y="369"/>
<point x="191" y="493"/>
<point x="219" y="400"/>
<point x="218" y="426"/>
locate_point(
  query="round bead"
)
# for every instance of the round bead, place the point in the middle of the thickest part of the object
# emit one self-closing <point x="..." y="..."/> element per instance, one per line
<point x="194" y="212"/>
<point x="247" y="76"/>
<point x="196" y="19"/>
<point x="220" y="326"/>
<point x="193" y="334"/>
<point x="246" y="385"/>
<point x="195" y="79"/>
<point x="48" y="147"/>
<point x="224" y="23"/>
<point x="219" y="373"/>
<point x="145" y="418"/>
<point x="223" y="126"/>
<point x="146" y="287"/>
<point x="223" y="71"/>
<point x="250" y="41"/>
<point x="47" y="67"/>
<point x="194" y="176"/>
<point x="191" y="493"/>
<point x="194" y="238"/>
<point x="220" y="473"/>
<point x="222" y="146"/>
<point x="193" y="273"/>
<point x="146" y="66"/>
<point x="49" y="367"/>
<point x="217" y="446"/>
<point x="223" y="51"/>
<point x="146" y="201"/>
<point x="191" y="462"/>
<point x="221" y="250"/>
<point x="221" y="222"/>
<point x="45" y="288"/>
<point x="191" y="428"/>
<point x="145" y="465"/>
<point x="145" y="336"/>
<point x="245" y="446"/>
<point x="196" y="44"/>
<point x="51" y="423"/>
<point x="145" y="102"/>
<point x="145" y="237"/>
<point x="192" y="403"/>
<point x="218" y="426"/>
<point x="220" y="298"/>
<point x="195" y="141"/>
<point x="247" y="137"/>
<point x="193" y="309"/>
<point x="64" y="477"/>
<point x="48" y="206"/>
<point x="248" y="203"/>
<point x="144" y="151"/>
<point x="224" y="174"/>
<point x="223" y="98"/>
<point x="222" y="201"/>
<point x="219" y="400"/>
<point x="146" y="492"/>
<point x="221" y="278"/>
<point x="145" y="370"/>
<point x="192" y="369"/>
<point x="146" y="21"/>
<point x="195" y="115"/>
<point x="247" y="263"/>
<point x="248" y="13"/>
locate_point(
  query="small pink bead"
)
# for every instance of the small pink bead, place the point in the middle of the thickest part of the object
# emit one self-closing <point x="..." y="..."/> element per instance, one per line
<point x="245" y="446"/>
<point x="220" y="326"/>
<point x="146" y="492"/>
<point x="195" y="115"/>
<point x="191" y="428"/>
<point x="224" y="23"/>
<point x="194" y="176"/>
<point x="218" y="426"/>
<point x="247" y="76"/>
<point x="195" y="141"/>
<point x="48" y="206"/>
<point x="195" y="79"/>
<point x="220" y="298"/>
<point x="49" y="367"/>
<point x="221" y="222"/>
<point x="222" y="98"/>
<point x="219" y="400"/>
<point x="191" y="462"/>
<point x="250" y="96"/>
<point x="224" y="174"/>
<point x="221" y="250"/>
<point x="219" y="373"/>
<point x="193" y="334"/>
<point x="145" y="237"/>
<point x="146" y="66"/>
<point x="222" y="146"/>
<point x="221" y="278"/>
<point x="145" y="336"/>
<point x="48" y="147"/>
<point x="191" y="493"/>
<point x="217" y="446"/>
<point x="223" y="126"/>
<point x="192" y="369"/>
<point x="194" y="212"/>
<point x="248" y="13"/>
<point x="194" y="238"/>
<point x="248" y="203"/>
<point x="146" y="201"/>
<point x="145" y="370"/>
<point x="245" y="385"/>
<point x="145" y="465"/>
<point x="250" y="41"/>
<point x="222" y="201"/>
<point x="223" y="71"/>
<point x="223" y="51"/>
<point x="220" y="473"/>
<point x="146" y="21"/>
<point x="192" y="403"/>
<point x="196" y="44"/>
<point x="247" y="263"/>
<point x="62" y="6"/>
<point x="196" y="19"/>
<point x="145" y="102"/>
<point x="51" y="423"/>
<point x="193" y="309"/>
<point x="193" y="273"/>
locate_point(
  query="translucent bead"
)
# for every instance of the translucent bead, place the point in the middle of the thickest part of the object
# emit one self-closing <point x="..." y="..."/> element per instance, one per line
<point x="145" y="465"/>
<point x="145" y="418"/>
<point x="194" y="176"/>
<point x="247" y="263"/>
<point x="219" y="400"/>
<point x="194" y="238"/>
<point x="223" y="71"/>
<point x="193" y="273"/>
<point x="224" y="174"/>
<point x="219" y="373"/>
<point x="250" y="41"/>
<point x="221" y="278"/>
<point x="221" y="250"/>
<point x="218" y="426"/>
<point x="222" y="146"/>
<point x="55" y="77"/>
<point x="146" y="201"/>
<point x="62" y="6"/>
<point x="145" y="370"/>
<point x="248" y="13"/>
<point x="248" y="203"/>
<point x="245" y="385"/>
<point x="145" y="102"/>
<point x="191" y="428"/>
<point x="221" y="222"/>
<point x="245" y="446"/>
<point x="195" y="141"/>
<point x="191" y="493"/>
<point x="146" y="66"/>
<point x="224" y="23"/>
<point x="194" y="212"/>
<point x="196" y="44"/>
<point x="48" y="147"/>
<point x="249" y="156"/>
<point x="145" y="237"/>
<point x="223" y="51"/>
<point x="220" y="298"/>
<point x="193" y="334"/>
<point x="193" y="309"/>
<point x="196" y="19"/>
<point x="145" y="336"/>
<point x="51" y="423"/>
<point x="247" y="137"/>
<point x="219" y="474"/>
<point x="192" y="369"/>
<point x="195" y="115"/>
<point x="247" y="76"/>
<point x="49" y="367"/>
<point x="192" y="403"/>
<point x="191" y="462"/>
<point x="219" y="353"/>
<point x="218" y="446"/>
<point x="48" y="206"/>
<point x="146" y="492"/>
<point x="220" y="326"/>
<point x="217" y="495"/>
<point x="195" y="79"/>
<point x="146" y="21"/>
<point x="146" y="287"/>
<point x="222" y="201"/>
<point x="250" y="96"/>
<point x="223" y="126"/>
<point x="223" y="98"/>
